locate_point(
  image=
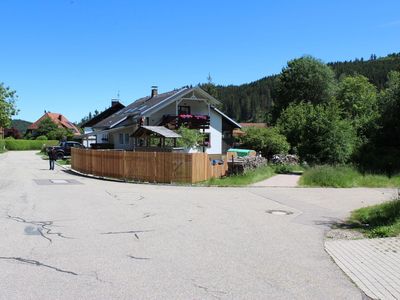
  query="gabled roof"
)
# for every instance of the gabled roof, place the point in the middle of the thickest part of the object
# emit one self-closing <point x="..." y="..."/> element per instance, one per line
<point x="116" y="106"/>
<point x="57" y="119"/>
<point x="147" y="105"/>
<point x="158" y="130"/>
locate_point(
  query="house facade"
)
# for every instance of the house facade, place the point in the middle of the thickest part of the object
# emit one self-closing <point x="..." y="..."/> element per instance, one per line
<point x="58" y="119"/>
<point x="189" y="106"/>
<point x="90" y="135"/>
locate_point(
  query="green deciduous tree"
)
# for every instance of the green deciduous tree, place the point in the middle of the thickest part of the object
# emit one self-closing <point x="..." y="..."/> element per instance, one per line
<point x="390" y="111"/>
<point x="318" y="132"/>
<point x="7" y="105"/>
<point x="268" y="141"/>
<point x="358" y="101"/>
<point x="382" y="152"/>
<point x="292" y="121"/>
<point x="47" y="128"/>
<point x="305" y="79"/>
<point x="191" y="138"/>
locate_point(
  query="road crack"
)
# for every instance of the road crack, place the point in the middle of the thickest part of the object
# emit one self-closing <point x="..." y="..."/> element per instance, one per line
<point x="36" y="263"/>
<point x="44" y="227"/>
<point x="139" y="258"/>
<point x="214" y="293"/>
<point x="134" y="232"/>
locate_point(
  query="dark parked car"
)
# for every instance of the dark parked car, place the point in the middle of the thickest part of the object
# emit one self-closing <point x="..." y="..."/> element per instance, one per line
<point x="64" y="148"/>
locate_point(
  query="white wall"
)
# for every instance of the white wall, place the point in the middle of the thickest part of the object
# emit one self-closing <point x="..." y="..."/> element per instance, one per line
<point x="114" y="138"/>
<point x="215" y="131"/>
<point x="197" y="108"/>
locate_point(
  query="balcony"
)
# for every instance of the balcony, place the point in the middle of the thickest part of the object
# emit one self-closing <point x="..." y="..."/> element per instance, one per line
<point x="189" y="121"/>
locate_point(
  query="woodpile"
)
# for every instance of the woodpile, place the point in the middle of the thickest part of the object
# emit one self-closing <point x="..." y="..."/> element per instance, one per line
<point x="285" y="159"/>
<point x="240" y="165"/>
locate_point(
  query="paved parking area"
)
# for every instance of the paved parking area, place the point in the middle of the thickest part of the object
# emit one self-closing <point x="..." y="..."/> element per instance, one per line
<point x="102" y="240"/>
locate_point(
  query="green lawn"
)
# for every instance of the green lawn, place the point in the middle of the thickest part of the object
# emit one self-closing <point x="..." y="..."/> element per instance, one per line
<point x="345" y="177"/>
<point x="382" y="220"/>
<point x="244" y="179"/>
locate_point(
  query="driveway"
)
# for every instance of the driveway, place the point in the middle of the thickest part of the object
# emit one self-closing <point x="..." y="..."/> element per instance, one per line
<point x="69" y="237"/>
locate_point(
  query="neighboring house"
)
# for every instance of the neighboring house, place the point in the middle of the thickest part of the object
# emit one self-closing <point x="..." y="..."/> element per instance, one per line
<point x="58" y="119"/>
<point x="90" y="137"/>
<point x="188" y="106"/>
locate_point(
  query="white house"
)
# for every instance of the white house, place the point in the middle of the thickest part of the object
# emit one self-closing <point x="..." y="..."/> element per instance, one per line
<point x="189" y="106"/>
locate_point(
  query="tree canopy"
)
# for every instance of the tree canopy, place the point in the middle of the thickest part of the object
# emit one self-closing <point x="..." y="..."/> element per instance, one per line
<point x="7" y="105"/>
<point x="305" y="79"/>
<point x="268" y="141"/>
<point x="358" y="101"/>
<point x="47" y="128"/>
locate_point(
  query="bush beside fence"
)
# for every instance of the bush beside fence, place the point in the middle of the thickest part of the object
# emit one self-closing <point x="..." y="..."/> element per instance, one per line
<point x="28" y="144"/>
<point x="2" y="145"/>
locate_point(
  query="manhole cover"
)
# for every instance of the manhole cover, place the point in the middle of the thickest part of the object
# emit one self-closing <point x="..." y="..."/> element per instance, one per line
<point x="279" y="212"/>
<point x="58" y="181"/>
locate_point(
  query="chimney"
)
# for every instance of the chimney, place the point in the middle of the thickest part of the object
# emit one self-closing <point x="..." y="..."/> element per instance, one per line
<point x="60" y="117"/>
<point x="154" y="91"/>
<point x="114" y="102"/>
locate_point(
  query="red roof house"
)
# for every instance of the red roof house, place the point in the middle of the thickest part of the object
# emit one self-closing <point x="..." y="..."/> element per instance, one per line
<point x="59" y="120"/>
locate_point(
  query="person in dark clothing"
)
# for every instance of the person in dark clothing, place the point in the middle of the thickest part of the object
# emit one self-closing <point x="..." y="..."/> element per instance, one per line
<point x="51" y="152"/>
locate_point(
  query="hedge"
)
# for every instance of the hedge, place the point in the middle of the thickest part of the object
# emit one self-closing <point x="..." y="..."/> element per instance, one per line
<point x="2" y="145"/>
<point x="28" y="144"/>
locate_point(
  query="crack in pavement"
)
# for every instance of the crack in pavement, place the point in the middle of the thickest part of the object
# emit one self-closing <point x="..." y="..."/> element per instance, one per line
<point x="211" y="292"/>
<point x="147" y="215"/>
<point x="36" y="263"/>
<point x="127" y="232"/>
<point x="44" y="226"/>
<point x="140" y="258"/>
<point x="114" y="196"/>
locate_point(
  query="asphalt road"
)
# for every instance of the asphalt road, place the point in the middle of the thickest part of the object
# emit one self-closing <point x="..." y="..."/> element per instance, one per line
<point x="83" y="238"/>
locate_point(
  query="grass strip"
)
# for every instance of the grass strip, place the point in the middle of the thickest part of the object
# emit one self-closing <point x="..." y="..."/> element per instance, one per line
<point x="382" y="220"/>
<point x="244" y="179"/>
<point x="345" y="177"/>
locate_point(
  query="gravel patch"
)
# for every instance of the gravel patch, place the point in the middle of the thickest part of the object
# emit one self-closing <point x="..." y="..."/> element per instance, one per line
<point x="344" y="234"/>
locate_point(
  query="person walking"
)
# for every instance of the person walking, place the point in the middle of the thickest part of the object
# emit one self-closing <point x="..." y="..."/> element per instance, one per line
<point x="51" y="152"/>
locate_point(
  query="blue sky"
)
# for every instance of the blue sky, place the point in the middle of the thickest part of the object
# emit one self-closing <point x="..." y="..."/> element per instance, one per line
<point x="73" y="56"/>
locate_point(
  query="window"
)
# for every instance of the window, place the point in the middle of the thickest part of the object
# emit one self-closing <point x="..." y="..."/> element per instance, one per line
<point x="127" y="138"/>
<point x="121" y="138"/>
<point x="183" y="110"/>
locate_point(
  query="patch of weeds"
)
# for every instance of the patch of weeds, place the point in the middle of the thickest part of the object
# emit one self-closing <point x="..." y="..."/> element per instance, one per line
<point x="345" y="177"/>
<point x="382" y="220"/>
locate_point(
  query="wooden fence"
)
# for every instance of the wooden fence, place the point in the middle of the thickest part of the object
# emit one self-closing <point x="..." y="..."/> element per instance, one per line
<point x="163" y="167"/>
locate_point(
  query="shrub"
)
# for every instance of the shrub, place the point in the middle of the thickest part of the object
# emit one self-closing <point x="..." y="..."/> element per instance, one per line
<point x="191" y="138"/>
<point x="29" y="144"/>
<point x="41" y="138"/>
<point x="285" y="168"/>
<point x="2" y="145"/>
<point x="268" y="141"/>
<point x="318" y="132"/>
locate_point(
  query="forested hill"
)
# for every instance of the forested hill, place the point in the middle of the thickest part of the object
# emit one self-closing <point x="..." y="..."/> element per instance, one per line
<point x="252" y="101"/>
<point x="21" y="125"/>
